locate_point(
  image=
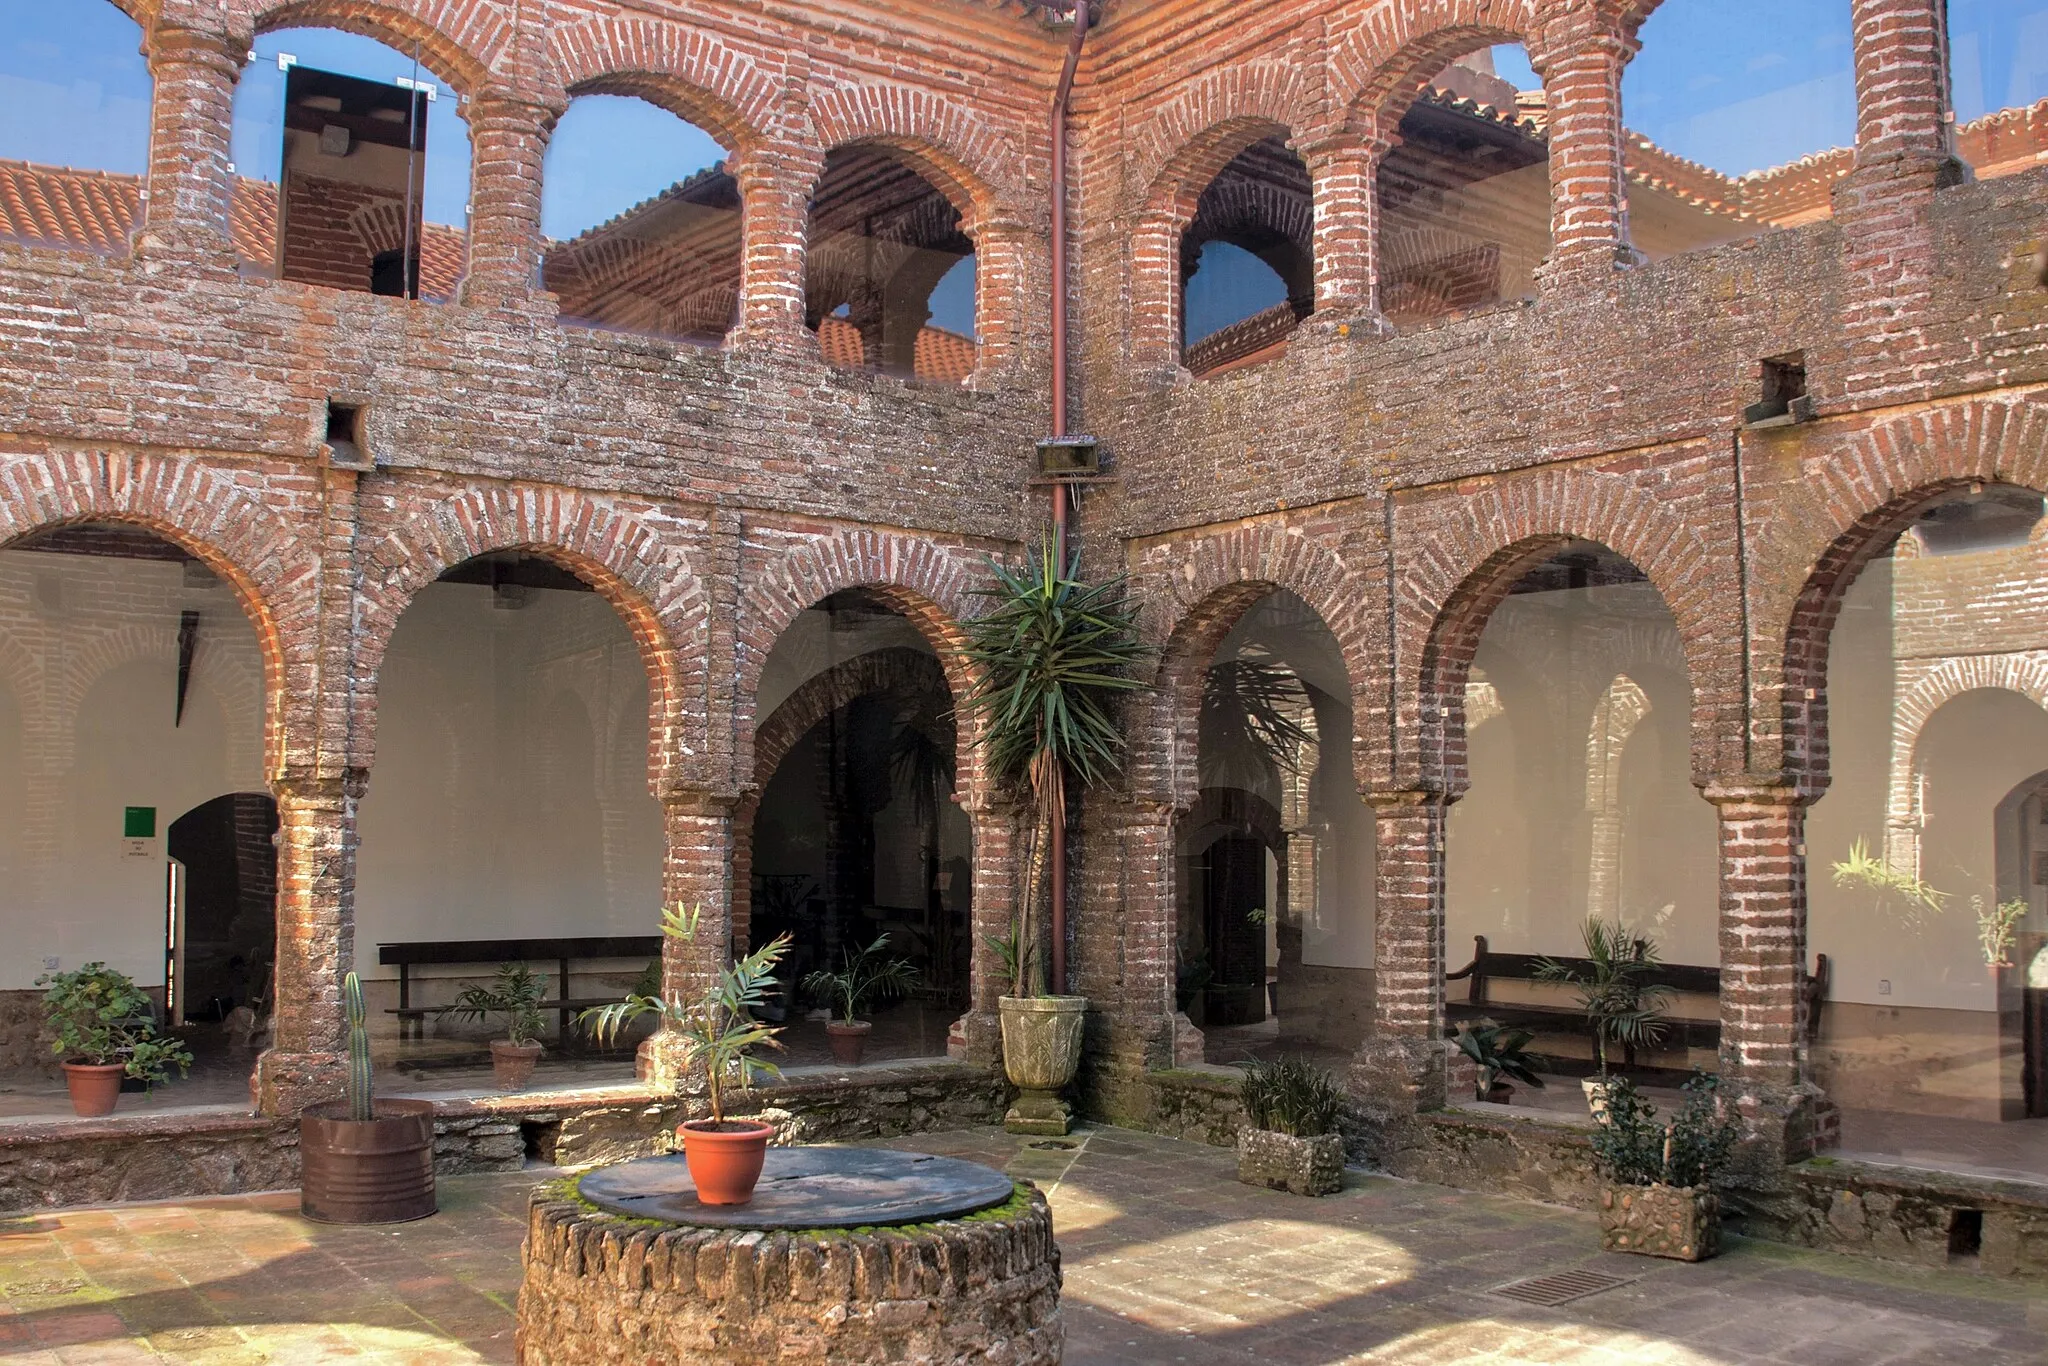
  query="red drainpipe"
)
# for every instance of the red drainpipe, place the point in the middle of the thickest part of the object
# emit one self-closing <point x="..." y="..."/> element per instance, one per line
<point x="1058" y="853"/>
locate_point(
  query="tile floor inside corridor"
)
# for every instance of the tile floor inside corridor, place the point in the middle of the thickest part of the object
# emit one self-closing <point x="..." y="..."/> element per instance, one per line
<point x="1167" y="1258"/>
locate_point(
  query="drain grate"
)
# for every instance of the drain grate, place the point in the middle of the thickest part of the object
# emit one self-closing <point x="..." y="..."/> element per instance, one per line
<point x="1062" y="1145"/>
<point x="1561" y="1288"/>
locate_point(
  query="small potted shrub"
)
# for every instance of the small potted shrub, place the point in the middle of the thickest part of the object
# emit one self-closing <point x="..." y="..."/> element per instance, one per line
<point x="517" y="994"/>
<point x="1659" y="1199"/>
<point x="104" y="1028"/>
<point x="363" y="1160"/>
<point x="1289" y="1140"/>
<point x="1499" y="1053"/>
<point x="863" y="977"/>
<point x="718" y="1032"/>
<point x="1625" y="1009"/>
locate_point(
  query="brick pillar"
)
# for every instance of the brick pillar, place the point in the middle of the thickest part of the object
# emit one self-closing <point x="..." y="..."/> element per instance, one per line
<point x="508" y="141"/>
<point x="1146" y="830"/>
<point x="743" y="816"/>
<point x="1904" y="153"/>
<point x="193" y="75"/>
<point x="775" y="198"/>
<point x="1344" y="171"/>
<point x="696" y="872"/>
<point x="998" y="847"/>
<point x="1580" y="59"/>
<point x="1400" y="1067"/>
<point x="1155" y="289"/>
<point x="1763" y="961"/>
<point x="316" y="883"/>
<point x="1008" y="255"/>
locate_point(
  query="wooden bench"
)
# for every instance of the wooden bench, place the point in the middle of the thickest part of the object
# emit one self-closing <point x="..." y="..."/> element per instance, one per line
<point x="562" y="952"/>
<point x="1486" y="965"/>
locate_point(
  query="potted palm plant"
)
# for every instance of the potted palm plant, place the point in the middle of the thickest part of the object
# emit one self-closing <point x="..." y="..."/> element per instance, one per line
<point x="364" y="1160"/>
<point x="1052" y="653"/>
<point x="1622" y="1004"/>
<point x="1289" y="1140"/>
<point x="516" y="993"/>
<point x="1499" y="1053"/>
<point x="1659" y="1199"/>
<point x="104" y="1028"/>
<point x="718" y="1033"/>
<point x="862" y="977"/>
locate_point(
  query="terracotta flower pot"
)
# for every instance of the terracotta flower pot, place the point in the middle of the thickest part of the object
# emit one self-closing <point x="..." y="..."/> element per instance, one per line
<point x="849" y="1041"/>
<point x="95" y="1086"/>
<point x="512" y="1064"/>
<point x="1501" y="1093"/>
<point x="725" y="1157"/>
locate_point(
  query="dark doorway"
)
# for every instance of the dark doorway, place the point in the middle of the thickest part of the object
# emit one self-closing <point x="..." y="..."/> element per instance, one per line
<point x="224" y="937"/>
<point x="2022" y="856"/>
<point x="1234" y="892"/>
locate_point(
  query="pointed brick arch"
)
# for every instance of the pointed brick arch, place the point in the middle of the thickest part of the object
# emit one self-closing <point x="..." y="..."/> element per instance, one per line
<point x="733" y="94"/>
<point x="1839" y="515"/>
<point x="1196" y="591"/>
<point x="642" y="570"/>
<point x="1459" y="554"/>
<point x="262" y="553"/>
<point x="459" y="42"/>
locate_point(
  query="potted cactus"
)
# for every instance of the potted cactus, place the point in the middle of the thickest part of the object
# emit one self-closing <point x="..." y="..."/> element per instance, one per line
<point x="517" y="994"/>
<point x="363" y="1160"/>
<point x="104" y="1028"/>
<point x="863" y="977"/>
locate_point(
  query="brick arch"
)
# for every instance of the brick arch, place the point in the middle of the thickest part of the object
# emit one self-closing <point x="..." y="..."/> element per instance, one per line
<point x="460" y="42"/>
<point x="206" y="514"/>
<point x="642" y="574"/>
<point x="1204" y="587"/>
<point x="1376" y="69"/>
<point x="1449" y="585"/>
<point x="1179" y="149"/>
<point x="931" y="585"/>
<point x="973" y="160"/>
<point x="106" y="651"/>
<point x="1841" y="514"/>
<point x="728" y="93"/>
<point x="820" y="696"/>
<point x="2024" y="674"/>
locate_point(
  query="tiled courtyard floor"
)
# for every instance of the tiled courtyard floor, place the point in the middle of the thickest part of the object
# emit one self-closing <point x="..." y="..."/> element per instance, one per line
<point x="1167" y="1259"/>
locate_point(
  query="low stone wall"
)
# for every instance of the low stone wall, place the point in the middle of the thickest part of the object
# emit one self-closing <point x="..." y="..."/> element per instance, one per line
<point x="601" y="1290"/>
<point x="1908" y="1215"/>
<point x="1198" y="1103"/>
<point x="155" y="1157"/>
<point x="1498" y="1149"/>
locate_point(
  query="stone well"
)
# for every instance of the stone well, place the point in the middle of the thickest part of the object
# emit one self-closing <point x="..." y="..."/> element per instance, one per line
<point x="604" y="1286"/>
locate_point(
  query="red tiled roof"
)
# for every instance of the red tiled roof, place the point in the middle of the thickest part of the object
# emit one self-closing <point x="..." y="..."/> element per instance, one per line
<point x="942" y="356"/>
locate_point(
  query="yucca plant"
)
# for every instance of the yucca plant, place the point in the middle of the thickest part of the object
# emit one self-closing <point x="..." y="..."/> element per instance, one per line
<point x="1053" y="652"/>
<point x="717" y="1029"/>
<point x="1625" y="1009"/>
<point x="1251" y="714"/>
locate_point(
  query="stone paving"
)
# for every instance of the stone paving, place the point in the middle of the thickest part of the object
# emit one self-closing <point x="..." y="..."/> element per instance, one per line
<point x="1168" y="1260"/>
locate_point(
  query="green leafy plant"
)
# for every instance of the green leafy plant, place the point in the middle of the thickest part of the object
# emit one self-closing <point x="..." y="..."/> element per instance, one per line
<point x="1052" y="653"/>
<point x="99" y="1016"/>
<point x="648" y="983"/>
<point x="863" y="977"/>
<point x="1256" y="699"/>
<point x="1625" y="1009"/>
<point x="1500" y="1052"/>
<point x="1632" y="1149"/>
<point x="1997" y="928"/>
<point x="516" y="994"/>
<point x="1291" y="1096"/>
<point x="717" y="1028"/>
<point x="1899" y="894"/>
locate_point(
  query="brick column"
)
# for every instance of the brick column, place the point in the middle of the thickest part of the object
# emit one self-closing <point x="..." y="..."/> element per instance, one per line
<point x="775" y="199"/>
<point x="508" y="142"/>
<point x="1904" y="153"/>
<point x="193" y="75"/>
<point x="316" y="881"/>
<point x="1147" y="829"/>
<point x="1155" y="289"/>
<point x="1763" y="962"/>
<point x="696" y="872"/>
<point x="1008" y="255"/>
<point x="1344" y="171"/>
<point x="1400" y="1067"/>
<point x="1580" y="59"/>
<point x="998" y="846"/>
<point x="743" y="871"/>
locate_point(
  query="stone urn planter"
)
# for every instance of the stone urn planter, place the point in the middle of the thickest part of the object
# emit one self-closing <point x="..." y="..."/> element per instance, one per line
<point x="1041" y="1051"/>
<point x="512" y="1064"/>
<point x="849" y="1040"/>
<point x="1282" y="1162"/>
<point x="1681" y="1222"/>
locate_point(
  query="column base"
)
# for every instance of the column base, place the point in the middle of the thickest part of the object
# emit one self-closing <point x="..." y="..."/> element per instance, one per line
<point x="977" y="1037"/>
<point x="283" y="1084"/>
<point x="188" y="248"/>
<point x="1397" y="1078"/>
<point x="1781" y="1126"/>
<point x="1041" y="1113"/>
<point x="1190" y="1047"/>
<point x="661" y="1063"/>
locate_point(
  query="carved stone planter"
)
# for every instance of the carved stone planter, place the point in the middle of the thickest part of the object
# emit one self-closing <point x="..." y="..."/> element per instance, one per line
<point x="1682" y="1222"/>
<point x="1282" y="1162"/>
<point x="1041" y="1050"/>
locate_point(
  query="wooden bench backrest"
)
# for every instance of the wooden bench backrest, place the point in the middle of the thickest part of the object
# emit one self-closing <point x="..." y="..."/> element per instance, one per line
<point x="518" y="950"/>
<point x="1674" y="976"/>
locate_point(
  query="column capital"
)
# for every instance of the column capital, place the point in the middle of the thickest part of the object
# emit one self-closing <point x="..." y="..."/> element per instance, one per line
<point x="1397" y="798"/>
<point x="176" y="37"/>
<point x="1743" y="791"/>
<point x="703" y="801"/>
<point x="312" y="785"/>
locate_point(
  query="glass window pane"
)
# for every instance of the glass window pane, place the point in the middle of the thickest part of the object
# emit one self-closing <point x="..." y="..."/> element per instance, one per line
<point x="74" y="124"/>
<point x="1998" y="67"/>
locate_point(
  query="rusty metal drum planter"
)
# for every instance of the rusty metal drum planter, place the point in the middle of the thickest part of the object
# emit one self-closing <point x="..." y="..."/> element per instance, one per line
<point x="367" y="1171"/>
<point x="845" y="1255"/>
